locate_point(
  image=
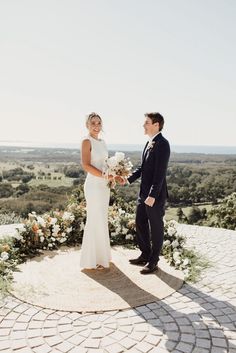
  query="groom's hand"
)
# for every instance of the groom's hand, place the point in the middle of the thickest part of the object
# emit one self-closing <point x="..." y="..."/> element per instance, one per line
<point x="149" y="201"/>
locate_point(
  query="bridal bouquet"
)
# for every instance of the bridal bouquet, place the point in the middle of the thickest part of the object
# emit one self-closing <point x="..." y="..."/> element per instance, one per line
<point x="117" y="165"/>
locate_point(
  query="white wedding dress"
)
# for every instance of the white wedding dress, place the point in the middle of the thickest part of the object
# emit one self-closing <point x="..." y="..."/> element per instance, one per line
<point x="96" y="243"/>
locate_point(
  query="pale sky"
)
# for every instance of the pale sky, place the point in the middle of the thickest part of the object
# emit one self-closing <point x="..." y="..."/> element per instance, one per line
<point x="62" y="59"/>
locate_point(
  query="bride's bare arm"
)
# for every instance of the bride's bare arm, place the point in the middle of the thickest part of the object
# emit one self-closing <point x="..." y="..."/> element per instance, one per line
<point x="86" y="159"/>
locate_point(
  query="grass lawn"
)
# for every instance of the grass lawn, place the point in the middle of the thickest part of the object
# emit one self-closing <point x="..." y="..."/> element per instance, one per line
<point x="171" y="211"/>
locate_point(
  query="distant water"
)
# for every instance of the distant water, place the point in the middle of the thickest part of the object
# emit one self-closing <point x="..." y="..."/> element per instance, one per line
<point x="126" y="147"/>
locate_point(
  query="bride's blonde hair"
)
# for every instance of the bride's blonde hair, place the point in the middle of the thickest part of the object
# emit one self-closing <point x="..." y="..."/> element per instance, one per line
<point x="91" y="116"/>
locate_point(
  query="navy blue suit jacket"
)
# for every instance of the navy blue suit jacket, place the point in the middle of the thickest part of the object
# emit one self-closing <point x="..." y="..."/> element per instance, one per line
<point x="153" y="169"/>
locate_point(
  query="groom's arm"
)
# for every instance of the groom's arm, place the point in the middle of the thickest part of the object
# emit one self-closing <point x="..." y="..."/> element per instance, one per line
<point x="135" y="175"/>
<point x="162" y="159"/>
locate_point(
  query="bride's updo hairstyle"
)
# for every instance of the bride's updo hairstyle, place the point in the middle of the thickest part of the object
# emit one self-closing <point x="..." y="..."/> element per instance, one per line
<point x="90" y="117"/>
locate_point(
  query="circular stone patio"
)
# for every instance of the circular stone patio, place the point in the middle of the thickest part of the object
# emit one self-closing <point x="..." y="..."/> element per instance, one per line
<point x="54" y="280"/>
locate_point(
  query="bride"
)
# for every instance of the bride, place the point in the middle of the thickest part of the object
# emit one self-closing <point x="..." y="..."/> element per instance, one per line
<point x="95" y="252"/>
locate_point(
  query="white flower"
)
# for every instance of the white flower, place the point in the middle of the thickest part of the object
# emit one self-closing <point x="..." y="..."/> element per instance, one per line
<point x="68" y="230"/>
<point x="175" y="243"/>
<point x="53" y="221"/>
<point x="112" y="162"/>
<point x="178" y="262"/>
<point x="62" y="240"/>
<point x="41" y="239"/>
<point x="39" y="232"/>
<point x="129" y="237"/>
<point x="55" y="229"/>
<point x="82" y="226"/>
<point x="171" y="231"/>
<point x="50" y="245"/>
<point x="173" y="223"/>
<point x="41" y="221"/>
<point x="166" y="243"/>
<point x="113" y="234"/>
<point x="176" y="255"/>
<point x="186" y="261"/>
<point x="120" y="156"/>
<point x="121" y="211"/>
<point x="4" y="256"/>
<point x="17" y="234"/>
<point x="53" y="239"/>
<point x="21" y="229"/>
<point x="68" y="216"/>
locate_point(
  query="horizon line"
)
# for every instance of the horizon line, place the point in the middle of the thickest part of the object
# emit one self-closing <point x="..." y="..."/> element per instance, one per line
<point x="113" y="143"/>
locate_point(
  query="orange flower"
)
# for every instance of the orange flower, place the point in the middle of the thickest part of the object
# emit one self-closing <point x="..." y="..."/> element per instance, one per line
<point x="5" y="247"/>
<point x="35" y="228"/>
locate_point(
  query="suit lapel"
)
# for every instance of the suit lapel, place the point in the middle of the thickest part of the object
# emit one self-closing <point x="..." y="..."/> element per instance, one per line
<point x="144" y="152"/>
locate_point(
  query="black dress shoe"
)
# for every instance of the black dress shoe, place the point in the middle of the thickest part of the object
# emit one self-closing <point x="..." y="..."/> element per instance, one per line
<point x="148" y="269"/>
<point x="139" y="261"/>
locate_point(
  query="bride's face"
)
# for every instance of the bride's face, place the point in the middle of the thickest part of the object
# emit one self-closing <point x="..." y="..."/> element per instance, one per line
<point x="95" y="126"/>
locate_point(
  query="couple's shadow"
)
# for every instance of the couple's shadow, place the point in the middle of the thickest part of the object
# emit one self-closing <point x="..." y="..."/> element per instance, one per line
<point x="187" y="318"/>
<point x="118" y="282"/>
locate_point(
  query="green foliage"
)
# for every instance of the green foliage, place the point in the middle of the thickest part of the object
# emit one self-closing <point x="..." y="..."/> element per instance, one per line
<point x="224" y="215"/>
<point x="190" y="184"/>
<point x="73" y="171"/>
<point x="6" y="190"/>
<point x="196" y="215"/>
<point x="8" y="263"/>
<point x="17" y="174"/>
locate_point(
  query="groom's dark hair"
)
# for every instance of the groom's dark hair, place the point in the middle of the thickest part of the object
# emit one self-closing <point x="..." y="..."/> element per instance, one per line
<point x="156" y="118"/>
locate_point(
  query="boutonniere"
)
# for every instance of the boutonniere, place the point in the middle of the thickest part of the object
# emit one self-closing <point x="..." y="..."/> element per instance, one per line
<point x="150" y="145"/>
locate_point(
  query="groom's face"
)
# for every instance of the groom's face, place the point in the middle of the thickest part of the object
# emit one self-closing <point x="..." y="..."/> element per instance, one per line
<point x="150" y="129"/>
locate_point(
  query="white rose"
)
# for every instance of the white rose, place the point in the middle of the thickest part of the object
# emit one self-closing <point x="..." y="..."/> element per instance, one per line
<point x="175" y="243"/>
<point x="62" y="240"/>
<point x="171" y="231"/>
<point x="17" y="235"/>
<point x="4" y="256"/>
<point x="67" y="216"/>
<point x="186" y="262"/>
<point x="111" y="162"/>
<point x="120" y="156"/>
<point x="176" y="255"/>
<point x="55" y="229"/>
<point x="53" y="221"/>
<point x="166" y="243"/>
<point x="41" y="239"/>
<point x="41" y="221"/>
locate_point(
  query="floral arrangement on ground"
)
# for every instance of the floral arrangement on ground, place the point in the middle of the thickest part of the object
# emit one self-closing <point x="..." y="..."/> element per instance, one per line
<point x="51" y="230"/>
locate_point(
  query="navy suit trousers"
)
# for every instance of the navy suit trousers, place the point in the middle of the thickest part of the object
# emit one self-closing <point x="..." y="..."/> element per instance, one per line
<point x="150" y="229"/>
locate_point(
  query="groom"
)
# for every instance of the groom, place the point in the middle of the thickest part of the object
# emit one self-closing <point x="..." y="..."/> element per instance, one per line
<point x="152" y="195"/>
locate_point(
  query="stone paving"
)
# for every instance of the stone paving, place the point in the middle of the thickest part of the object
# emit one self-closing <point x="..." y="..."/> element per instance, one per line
<point x="199" y="318"/>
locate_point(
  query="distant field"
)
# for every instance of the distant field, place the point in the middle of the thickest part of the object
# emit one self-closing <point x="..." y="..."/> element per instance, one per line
<point x="64" y="181"/>
<point x="55" y="170"/>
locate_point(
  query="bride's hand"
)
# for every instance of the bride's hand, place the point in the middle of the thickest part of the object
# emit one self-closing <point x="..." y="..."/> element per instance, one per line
<point x="119" y="179"/>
